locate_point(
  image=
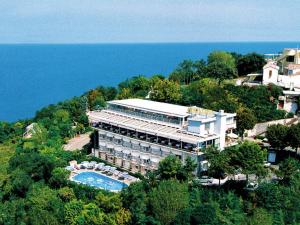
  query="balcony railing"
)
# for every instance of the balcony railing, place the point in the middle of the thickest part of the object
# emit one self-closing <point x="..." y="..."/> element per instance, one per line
<point x="137" y="144"/>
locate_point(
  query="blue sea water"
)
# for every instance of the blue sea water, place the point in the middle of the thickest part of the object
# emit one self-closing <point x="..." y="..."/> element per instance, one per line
<point x="33" y="76"/>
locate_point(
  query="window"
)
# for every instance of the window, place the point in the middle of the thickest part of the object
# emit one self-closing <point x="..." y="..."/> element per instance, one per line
<point x="270" y="73"/>
<point x="210" y="142"/>
<point x="207" y="126"/>
<point x="290" y="58"/>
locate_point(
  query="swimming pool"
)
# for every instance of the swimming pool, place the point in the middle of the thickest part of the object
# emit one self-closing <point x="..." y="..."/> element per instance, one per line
<point x="98" y="180"/>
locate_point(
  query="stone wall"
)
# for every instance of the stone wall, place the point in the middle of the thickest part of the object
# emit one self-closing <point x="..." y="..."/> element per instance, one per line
<point x="261" y="128"/>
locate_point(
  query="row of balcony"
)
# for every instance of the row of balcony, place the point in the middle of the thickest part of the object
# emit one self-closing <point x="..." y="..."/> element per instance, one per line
<point x="133" y="163"/>
<point x="150" y="139"/>
<point x="108" y="140"/>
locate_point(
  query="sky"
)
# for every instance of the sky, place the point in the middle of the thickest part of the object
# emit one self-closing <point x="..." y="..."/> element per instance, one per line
<point x="140" y="21"/>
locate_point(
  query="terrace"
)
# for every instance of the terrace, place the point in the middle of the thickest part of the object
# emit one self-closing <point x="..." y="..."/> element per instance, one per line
<point x="148" y="130"/>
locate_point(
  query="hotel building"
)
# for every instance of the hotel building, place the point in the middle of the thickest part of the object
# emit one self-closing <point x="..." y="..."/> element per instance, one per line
<point x="136" y="134"/>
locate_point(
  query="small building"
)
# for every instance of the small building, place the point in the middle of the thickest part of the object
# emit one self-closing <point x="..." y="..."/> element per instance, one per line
<point x="31" y="129"/>
<point x="284" y="71"/>
<point x="136" y="134"/>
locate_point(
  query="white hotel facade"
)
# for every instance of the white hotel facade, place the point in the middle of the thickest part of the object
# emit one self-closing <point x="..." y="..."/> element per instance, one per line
<point x="136" y="134"/>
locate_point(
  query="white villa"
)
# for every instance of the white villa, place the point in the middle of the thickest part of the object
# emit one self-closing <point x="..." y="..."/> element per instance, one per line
<point x="283" y="71"/>
<point x="136" y="134"/>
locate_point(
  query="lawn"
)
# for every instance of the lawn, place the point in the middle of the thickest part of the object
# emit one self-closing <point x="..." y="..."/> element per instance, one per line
<point x="5" y="153"/>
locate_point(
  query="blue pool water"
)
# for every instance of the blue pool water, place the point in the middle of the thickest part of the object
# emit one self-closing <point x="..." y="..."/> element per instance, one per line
<point x="33" y="76"/>
<point x="97" y="180"/>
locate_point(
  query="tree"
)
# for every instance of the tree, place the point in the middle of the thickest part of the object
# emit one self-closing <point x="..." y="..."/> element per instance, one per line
<point x="37" y="166"/>
<point x="13" y="212"/>
<point x="220" y="71"/>
<point x="72" y="210"/>
<point x="168" y="199"/>
<point x="95" y="100"/>
<point x="218" y="163"/>
<point x="169" y="167"/>
<point x="293" y="134"/>
<point x="221" y="57"/>
<point x="188" y="71"/>
<point x="165" y="91"/>
<point x="20" y="182"/>
<point x="108" y="203"/>
<point x="66" y="194"/>
<point x="269" y="196"/>
<point x="204" y="214"/>
<point x="59" y="177"/>
<point x="137" y="86"/>
<point x="250" y="63"/>
<point x="245" y="120"/>
<point x="124" y="93"/>
<point x="45" y="207"/>
<point x="123" y="216"/>
<point x="184" y="73"/>
<point x="251" y="158"/>
<point x="187" y="169"/>
<point x="277" y="136"/>
<point x="260" y="216"/>
<point x="221" y="65"/>
<point x="289" y="170"/>
<point x="135" y="199"/>
<point x="91" y="214"/>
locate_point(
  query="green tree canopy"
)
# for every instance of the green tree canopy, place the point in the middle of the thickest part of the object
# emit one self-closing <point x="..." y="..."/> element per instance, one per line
<point x="250" y="63"/>
<point x="251" y="158"/>
<point x="168" y="199"/>
<point x="169" y="167"/>
<point x="245" y="120"/>
<point x="165" y="91"/>
<point x="277" y="136"/>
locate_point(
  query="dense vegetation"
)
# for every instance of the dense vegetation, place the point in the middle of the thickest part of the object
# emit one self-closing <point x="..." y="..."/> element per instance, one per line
<point x="34" y="188"/>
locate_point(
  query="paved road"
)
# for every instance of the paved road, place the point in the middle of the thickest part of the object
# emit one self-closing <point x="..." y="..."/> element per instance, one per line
<point x="77" y="142"/>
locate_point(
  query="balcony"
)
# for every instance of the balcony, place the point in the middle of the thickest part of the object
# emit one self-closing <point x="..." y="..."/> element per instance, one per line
<point x="108" y="131"/>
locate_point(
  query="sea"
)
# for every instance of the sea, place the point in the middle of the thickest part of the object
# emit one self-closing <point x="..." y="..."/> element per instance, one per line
<point x="35" y="75"/>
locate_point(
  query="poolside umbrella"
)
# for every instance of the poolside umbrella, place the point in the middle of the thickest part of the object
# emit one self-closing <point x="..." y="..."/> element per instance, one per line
<point x="107" y="168"/>
<point x="113" y="169"/>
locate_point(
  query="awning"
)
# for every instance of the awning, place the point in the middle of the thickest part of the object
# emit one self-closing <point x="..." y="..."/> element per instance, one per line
<point x="155" y="160"/>
<point x="125" y="151"/>
<point x="101" y="132"/>
<point x="135" y="142"/>
<point x="103" y="144"/>
<point x="135" y="153"/>
<point x="126" y="140"/>
<point x="165" y="150"/>
<point x="155" y="148"/>
<point x="118" y="149"/>
<point x="109" y="135"/>
<point x="117" y="137"/>
<point x="145" y="157"/>
<point x="145" y="145"/>
<point x="110" y="146"/>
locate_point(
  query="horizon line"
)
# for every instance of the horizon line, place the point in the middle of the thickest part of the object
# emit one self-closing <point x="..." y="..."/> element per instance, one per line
<point x="120" y="43"/>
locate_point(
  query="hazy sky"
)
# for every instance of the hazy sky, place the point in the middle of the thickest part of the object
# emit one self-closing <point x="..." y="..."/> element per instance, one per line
<point x="93" y="21"/>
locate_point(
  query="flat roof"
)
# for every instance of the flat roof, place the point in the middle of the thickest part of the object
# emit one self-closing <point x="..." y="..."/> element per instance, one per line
<point x="152" y="106"/>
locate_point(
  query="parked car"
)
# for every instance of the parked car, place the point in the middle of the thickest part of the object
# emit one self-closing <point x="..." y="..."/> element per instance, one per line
<point x="206" y="180"/>
<point x="251" y="186"/>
